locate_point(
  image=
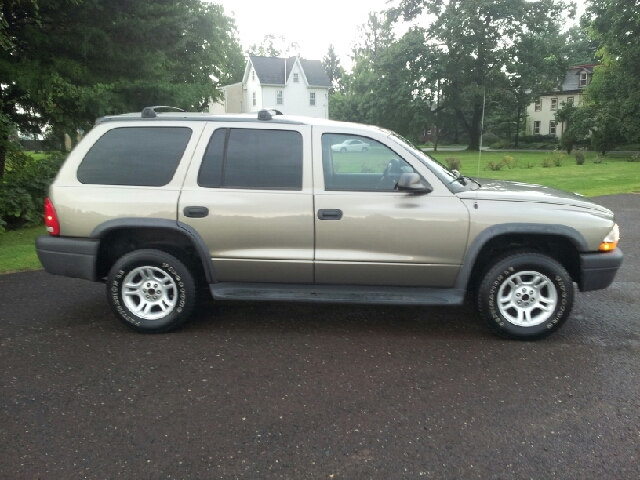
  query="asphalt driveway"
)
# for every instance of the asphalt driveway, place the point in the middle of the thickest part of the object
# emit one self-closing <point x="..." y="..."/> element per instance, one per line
<point x="276" y="390"/>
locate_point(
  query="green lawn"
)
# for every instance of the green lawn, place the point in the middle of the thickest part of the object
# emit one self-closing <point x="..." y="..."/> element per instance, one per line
<point x="18" y="250"/>
<point x="614" y="175"/>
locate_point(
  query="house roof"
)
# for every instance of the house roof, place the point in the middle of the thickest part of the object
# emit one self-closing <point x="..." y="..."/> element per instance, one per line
<point x="571" y="80"/>
<point x="275" y="70"/>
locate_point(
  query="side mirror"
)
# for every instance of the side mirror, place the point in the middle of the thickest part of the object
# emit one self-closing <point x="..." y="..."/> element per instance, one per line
<point x="413" y="183"/>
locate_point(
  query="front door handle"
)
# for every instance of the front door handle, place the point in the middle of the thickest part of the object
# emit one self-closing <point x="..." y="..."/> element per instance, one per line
<point x="329" y="214"/>
<point x="196" y="212"/>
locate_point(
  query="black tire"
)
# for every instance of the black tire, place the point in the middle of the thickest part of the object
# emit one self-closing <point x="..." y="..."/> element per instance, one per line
<point x="343" y="150"/>
<point x="161" y="278"/>
<point x="510" y="289"/>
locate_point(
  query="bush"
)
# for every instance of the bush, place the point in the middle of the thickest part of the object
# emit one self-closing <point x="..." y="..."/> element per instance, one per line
<point x="634" y="158"/>
<point x="489" y="138"/>
<point x="528" y="165"/>
<point x="509" y="161"/>
<point x="539" y="139"/>
<point x="501" y="144"/>
<point x="579" y="158"/>
<point x="495" y="166"/>
<point x="547" y="162"/>
<point x="453" y="163"/>
<point x="24" y="187"/>
<point x="598" y="159"/>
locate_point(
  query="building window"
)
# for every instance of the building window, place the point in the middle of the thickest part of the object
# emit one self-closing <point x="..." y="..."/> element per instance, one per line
<point x="253" y="76"/>
<point x="583" y="79"/>
<point x="296" y="79"/>
<point x="254" y="99"/>
<point x="279" y="97"/>
<point x="312" y="99"/>
<point x="538" y="104"/>
<point x="554" y="104"/>
<point x="536" y="128"/>
<point x="552" y="127"/>
<point x="569" y="100"/>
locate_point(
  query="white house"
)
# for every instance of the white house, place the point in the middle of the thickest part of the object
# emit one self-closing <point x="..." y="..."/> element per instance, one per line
<point x="541" y="115"/>
<point x="291" y="85"/>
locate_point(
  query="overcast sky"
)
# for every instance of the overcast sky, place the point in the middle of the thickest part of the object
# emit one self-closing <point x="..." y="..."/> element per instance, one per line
<point x="313" y="25"/>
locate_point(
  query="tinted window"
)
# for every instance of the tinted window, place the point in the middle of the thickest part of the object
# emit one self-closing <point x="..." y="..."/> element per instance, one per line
<point x="145" y="156"/>
<point x="211" y="168"/>
<point x="263" y="159"/>
<point x="357" y="163"/>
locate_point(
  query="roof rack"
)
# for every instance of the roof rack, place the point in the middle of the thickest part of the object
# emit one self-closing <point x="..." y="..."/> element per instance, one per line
<point x="266" y="114"/>
<point x="150" y="112"/>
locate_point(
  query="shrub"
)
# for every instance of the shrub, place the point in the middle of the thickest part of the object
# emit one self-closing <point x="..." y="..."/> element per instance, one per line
<point x="501" y="144"/>
<point x="579" y="158"/>
<point x="547" y="162"/>
<point x="453" y="163"/>
<point x="634" y="158"/>
<point x="24" y="187"/>
<point x="509" y="161"/>
<point x="528" y="165"/>
<point x="489" y="138"/>
<point x="598" y="159"/>
<point x="539" y="139"/>
<point x="495" y="166"/>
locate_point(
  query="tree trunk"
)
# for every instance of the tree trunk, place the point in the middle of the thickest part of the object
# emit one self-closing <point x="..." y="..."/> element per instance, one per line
<point x="3" y="156"/>
<point x="518" y="124"/>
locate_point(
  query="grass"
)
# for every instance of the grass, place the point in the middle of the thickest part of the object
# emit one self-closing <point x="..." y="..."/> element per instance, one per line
<point x="616" y="174"/>
<point x="18" y="250"/>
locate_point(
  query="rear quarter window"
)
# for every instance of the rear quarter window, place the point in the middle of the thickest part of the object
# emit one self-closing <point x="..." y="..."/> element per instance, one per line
<point x="137" y="156"/>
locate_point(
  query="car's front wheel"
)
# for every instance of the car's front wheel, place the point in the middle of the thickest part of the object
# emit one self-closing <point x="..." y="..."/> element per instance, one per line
<point x="525" y="296"/>
<point x="151" y="291"/>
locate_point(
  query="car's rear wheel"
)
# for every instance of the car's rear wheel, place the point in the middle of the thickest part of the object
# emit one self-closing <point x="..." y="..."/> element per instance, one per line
<point x="151" y="291"/>
<point x="343" y="150"/>
<point x="525" y="296"/>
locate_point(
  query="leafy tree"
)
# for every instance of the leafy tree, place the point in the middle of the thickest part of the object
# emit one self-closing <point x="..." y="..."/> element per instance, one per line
<point x="476" y="41"/>
<point x="579" y="47"/>
<point x="273" y="46"/>
<point x="71" y="63"/>
<point x="334" y="70"/>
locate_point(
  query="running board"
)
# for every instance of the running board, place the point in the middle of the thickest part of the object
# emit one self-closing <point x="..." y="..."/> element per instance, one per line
<point x="283" y="292"/>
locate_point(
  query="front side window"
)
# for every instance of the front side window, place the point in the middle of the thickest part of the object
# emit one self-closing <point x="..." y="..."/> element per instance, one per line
<point x="140" y="156"/>
<point x="279" y="97"/>
<point x="552" y="127"/>
<point x="536" y="128"/>
<point x="251" y="158"/>
<point x="312" y="99"/>
<point x="554" y="104"/>
<point x="538" y="104"/>
<point x="355" y="163"/>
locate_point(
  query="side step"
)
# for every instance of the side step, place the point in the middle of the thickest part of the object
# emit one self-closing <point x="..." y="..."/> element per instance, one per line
<point x="283" y="292"/>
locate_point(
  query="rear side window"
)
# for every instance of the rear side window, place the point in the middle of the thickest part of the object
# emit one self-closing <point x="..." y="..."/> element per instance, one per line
<point x="141" y="156"/>
<point x="255" y="159"/>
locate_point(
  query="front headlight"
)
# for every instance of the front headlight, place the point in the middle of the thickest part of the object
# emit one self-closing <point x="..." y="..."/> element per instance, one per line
<point x="610" y="242"/>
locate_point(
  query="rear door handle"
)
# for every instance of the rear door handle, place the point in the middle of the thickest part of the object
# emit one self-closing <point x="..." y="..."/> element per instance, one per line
<point x="196" y="212"/>
<point x="329" y="214"/>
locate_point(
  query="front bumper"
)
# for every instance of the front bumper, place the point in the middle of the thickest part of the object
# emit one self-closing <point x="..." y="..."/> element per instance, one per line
<point x="597" y="270"/>
<point x="69" y="257"/>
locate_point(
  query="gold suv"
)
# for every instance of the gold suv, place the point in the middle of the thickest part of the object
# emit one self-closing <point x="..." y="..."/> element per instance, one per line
<point x="271" y="207"/>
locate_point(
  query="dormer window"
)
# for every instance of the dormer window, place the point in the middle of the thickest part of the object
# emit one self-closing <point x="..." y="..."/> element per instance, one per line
<point x="584" y="79"/>
<point x="296" y="79"/>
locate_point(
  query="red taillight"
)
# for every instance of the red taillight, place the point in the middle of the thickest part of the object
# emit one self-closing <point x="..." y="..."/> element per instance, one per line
<point x="50" y="218"/>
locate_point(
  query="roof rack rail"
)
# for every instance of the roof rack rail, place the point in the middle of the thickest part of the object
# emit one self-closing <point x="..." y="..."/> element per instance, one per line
<point x="150" y="112"/>
<point x="266" y="113"/>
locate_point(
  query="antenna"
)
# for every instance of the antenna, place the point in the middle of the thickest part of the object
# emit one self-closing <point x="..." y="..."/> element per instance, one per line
<point x="484" y="99"/>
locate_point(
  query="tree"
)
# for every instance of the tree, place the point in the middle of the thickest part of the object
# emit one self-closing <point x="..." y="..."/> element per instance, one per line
<point x="334" y="70"/>
<point x="273" y="46"/>
<point x="77" y="62"/>
<point x="477" y="41"/>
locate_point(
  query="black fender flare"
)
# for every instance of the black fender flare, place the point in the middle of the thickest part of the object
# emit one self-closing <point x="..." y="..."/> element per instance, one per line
<point x="189" y="232"/>
<point x="494" y="231"/>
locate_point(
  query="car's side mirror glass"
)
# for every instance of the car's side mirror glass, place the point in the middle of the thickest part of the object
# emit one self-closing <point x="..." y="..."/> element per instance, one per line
<point x="413" y="183"/>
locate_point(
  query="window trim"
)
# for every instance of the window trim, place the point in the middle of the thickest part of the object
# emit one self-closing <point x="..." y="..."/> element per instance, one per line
<point x="554" y="104"/>
<point x="296" y="78"/>
<point x="584" y="83"/>
<point x="279" y="97"/>
<point x="536" y="126"/>
<point x="569" y="100"/>
<point x="538" y="105"/>
<point x="553" y="125"/>
<point x="254" y="99"/>
<point x="312" y="99"/>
